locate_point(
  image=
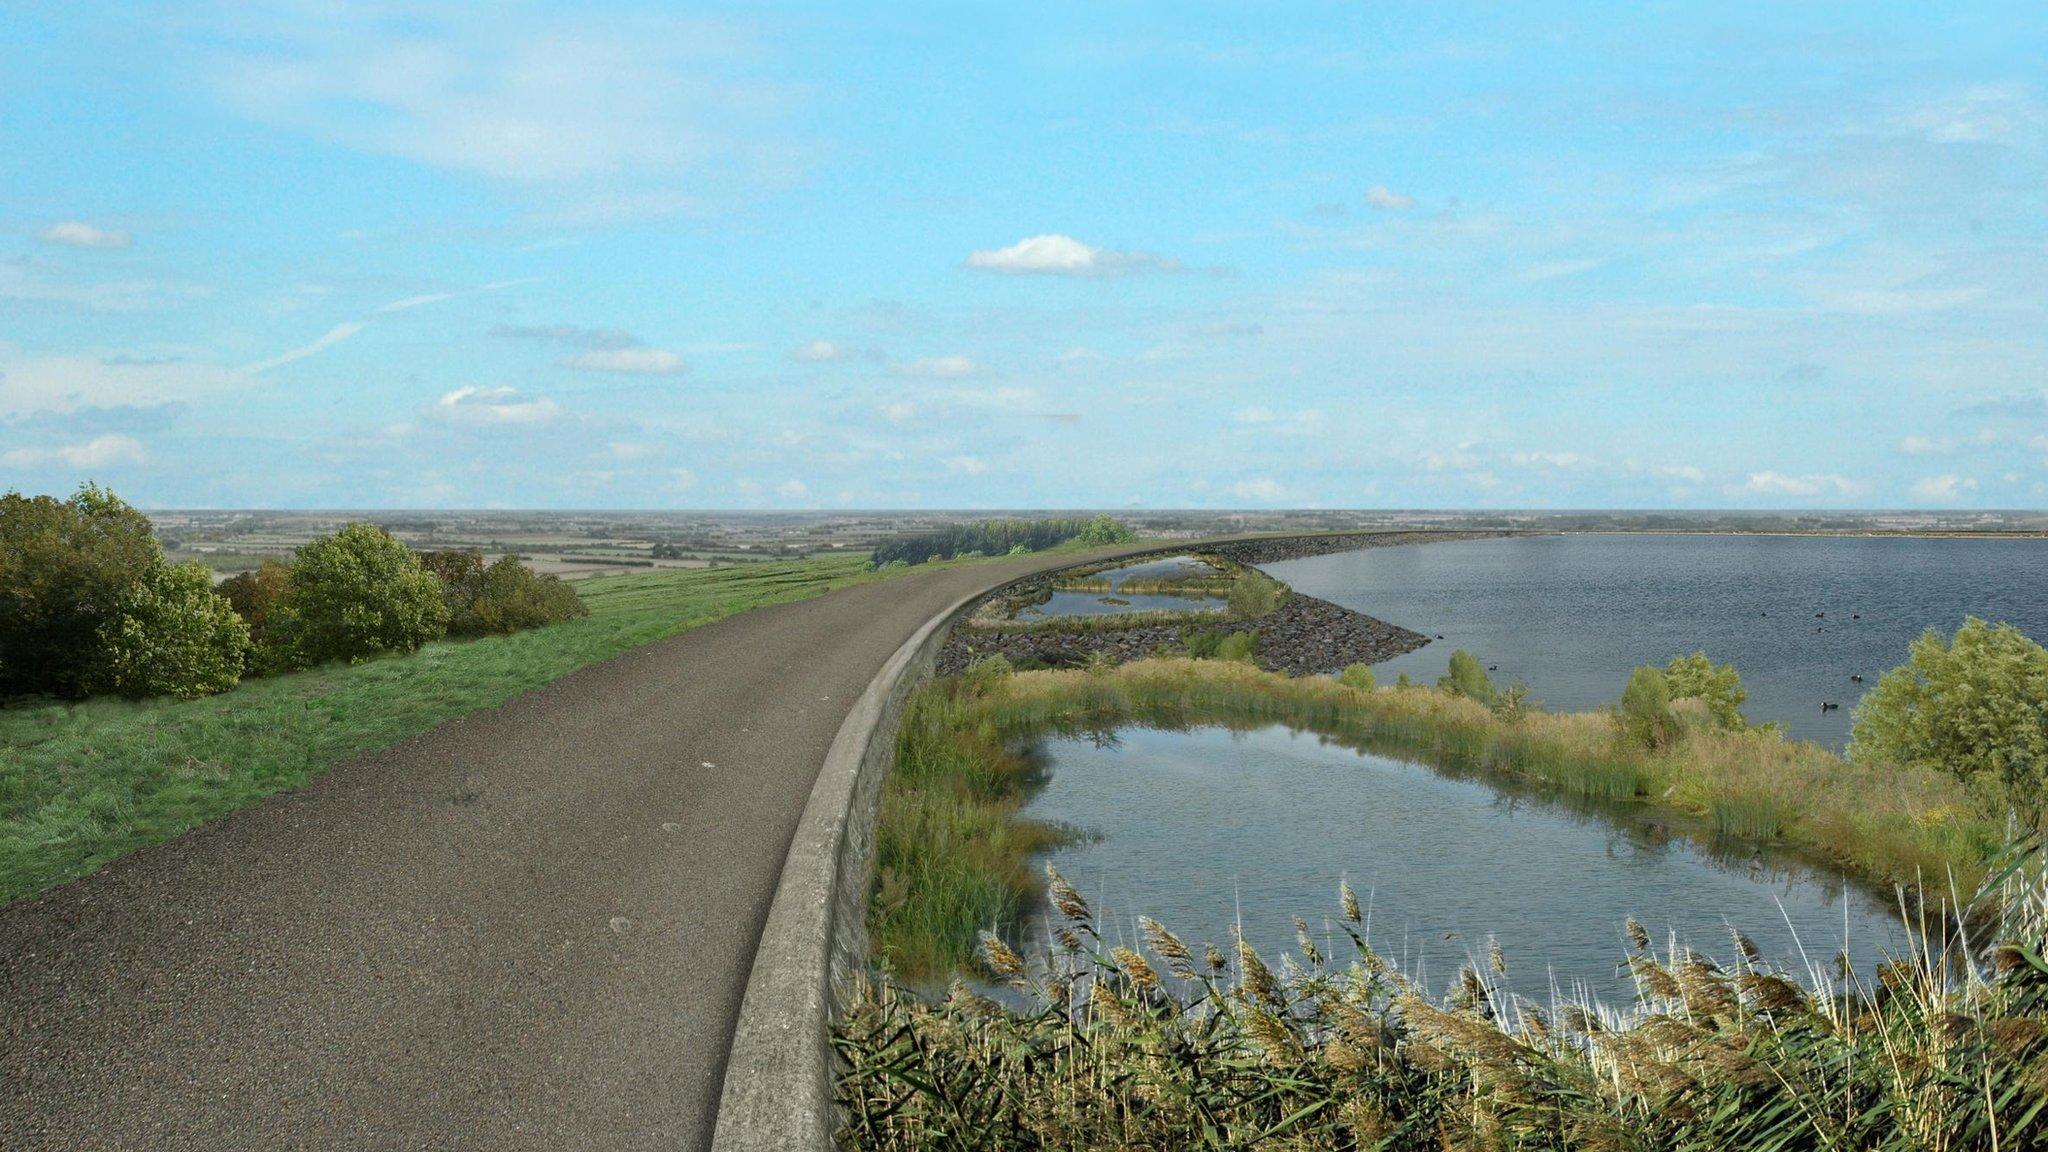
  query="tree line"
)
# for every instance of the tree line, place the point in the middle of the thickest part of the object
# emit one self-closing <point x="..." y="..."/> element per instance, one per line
<point x="89" y="605"/>
<point x="1009" y="536"/>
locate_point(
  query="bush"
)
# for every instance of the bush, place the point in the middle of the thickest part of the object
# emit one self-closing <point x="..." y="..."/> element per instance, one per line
<point x="1717" y="686"/>
<point x="511" y="597"/>
<point x="1201" y="643"/>
<point x="1358" y="676"/>
<point x="1512" y="705"/>
<point x="171" y="634"/>
<point x="1254" y="594"/>
<point x="1646" y="715"/>
<point x="461" y="573"/>
<point x="1240" y="646"/>
<point x="1976" y="707"/>
<point x="64" y="567"/>
<point x="254" y="594"/>
<point x="1467" y="677"/>
<point x="353" y="595"/>
<point x="1104" y="529"/>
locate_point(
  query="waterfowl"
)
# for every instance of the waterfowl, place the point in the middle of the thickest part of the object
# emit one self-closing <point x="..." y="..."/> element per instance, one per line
<point x="1855" y="678"/>
<point x="1827" y="706"/>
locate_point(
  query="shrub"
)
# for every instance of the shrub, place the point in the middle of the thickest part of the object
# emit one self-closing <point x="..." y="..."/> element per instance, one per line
<point x="1240" y="646"/>
<point x="1512" y="705"/>
<point x="1255" y="594"/>
<point x="461" y="573"/>
<point x="1467" y="677"/>
<point x="1019" y="550"/>
<point x="1358" y="676"/>
<point x="1201" y="643"/>
<point x="1976" y="707"/>
<point x="171" y="634"/>
<point x="64" y="567"/>
<point x="1717" y="686"/>
<point x="254" y="594"/>
<point x="511" y="597"/>
<point x="353" y="595"/>
<point x="1104" y="529"/>
<point x="1646" y="715"/>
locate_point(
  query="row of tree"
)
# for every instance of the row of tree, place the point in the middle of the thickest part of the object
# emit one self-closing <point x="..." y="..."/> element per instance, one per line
<point x="90" y="606"/>
<point x="998" y="538"/>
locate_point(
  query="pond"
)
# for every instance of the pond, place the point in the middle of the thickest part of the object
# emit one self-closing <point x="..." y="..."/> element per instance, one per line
<point x="1117" y="600"/>
<point x="1206" y="829"/>
<point x="1798" y="616"/>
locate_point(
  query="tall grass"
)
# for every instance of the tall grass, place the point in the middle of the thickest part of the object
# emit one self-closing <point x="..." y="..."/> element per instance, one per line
<point x="1885" y="824"/>
<point x="1172" y="1046"/>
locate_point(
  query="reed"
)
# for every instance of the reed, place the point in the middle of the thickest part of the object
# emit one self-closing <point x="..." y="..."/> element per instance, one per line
<point x="1173" y="1046"/>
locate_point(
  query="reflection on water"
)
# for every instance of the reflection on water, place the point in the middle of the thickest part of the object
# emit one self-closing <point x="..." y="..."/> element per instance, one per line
<point x="1797" y="616"/>
<point x="1205" y="829"/>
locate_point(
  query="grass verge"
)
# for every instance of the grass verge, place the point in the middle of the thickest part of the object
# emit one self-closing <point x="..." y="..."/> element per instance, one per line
<point x="86" y="783"/>
<point x="1882" y="823"/>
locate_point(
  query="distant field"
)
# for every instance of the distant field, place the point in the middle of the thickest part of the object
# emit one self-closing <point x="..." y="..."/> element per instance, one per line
<point x="84" y="784"/>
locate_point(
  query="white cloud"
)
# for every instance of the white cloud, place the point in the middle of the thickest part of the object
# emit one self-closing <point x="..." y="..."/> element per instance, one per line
<point x="1926" y="446"/>
<point x="495" y="406"/>
<point x="651" y="115"/>
<point x="1258" y="488"/>
<point x="329" y="339"/>
<point x="965" y="465"/>
<point x="1057" y="255"/>
<point x="899" y="410"/>
<point x="936" y="366"/>
<point x="681" y="479"/>
<point x="1685" y="472"/>
<point x="631" y="361"/>
<point x="621" y="450"/>
<point x="1946" y="487"/>
<point x="1770" y="483"/>
<point x="30" y="384"/>
<point x="821" y="351"/>
<point x="792" y="490"/>
<point x="1558" y="460"/>
<point x="1386" y="199"/>
<point x="98" y="452"/>
<point x="82" y="235"/>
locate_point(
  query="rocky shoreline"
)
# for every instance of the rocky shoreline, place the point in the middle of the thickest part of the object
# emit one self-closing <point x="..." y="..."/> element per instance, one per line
<point x="1304" y="635"/>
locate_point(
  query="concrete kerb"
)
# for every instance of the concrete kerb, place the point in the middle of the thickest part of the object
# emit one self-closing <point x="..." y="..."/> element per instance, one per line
<point x="777" y="1095"/>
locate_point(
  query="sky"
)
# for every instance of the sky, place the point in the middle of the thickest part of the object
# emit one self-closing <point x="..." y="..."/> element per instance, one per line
<point x="1355" y="255"/>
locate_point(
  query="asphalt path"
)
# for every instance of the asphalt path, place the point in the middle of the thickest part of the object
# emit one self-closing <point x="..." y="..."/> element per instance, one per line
<point x="528" y="928"/>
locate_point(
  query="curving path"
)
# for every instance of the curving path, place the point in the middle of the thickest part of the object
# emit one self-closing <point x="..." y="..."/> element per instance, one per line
<point x="529" y="928"/>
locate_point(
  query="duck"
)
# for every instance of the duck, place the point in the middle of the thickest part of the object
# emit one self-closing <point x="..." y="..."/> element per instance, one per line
<point x="1855" y="678"/>
<point x="1828" y="706"/>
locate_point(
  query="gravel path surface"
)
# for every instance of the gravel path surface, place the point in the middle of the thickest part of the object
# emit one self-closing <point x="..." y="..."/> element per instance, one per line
<point x="529" y="928"/>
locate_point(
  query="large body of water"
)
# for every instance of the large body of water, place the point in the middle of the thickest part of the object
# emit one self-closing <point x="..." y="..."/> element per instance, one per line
<point x="1207" y="829"/>
<point x="1571" y="615"/>
<point x="1117" y="601"/>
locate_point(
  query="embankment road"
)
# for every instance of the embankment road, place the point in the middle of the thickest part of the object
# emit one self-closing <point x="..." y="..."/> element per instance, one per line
<point x="529" y="928"/>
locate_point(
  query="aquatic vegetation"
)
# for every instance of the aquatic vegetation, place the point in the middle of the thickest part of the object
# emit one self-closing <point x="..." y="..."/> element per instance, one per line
<point x="1156" y="1043"/>
<point x="1888" y="824"/>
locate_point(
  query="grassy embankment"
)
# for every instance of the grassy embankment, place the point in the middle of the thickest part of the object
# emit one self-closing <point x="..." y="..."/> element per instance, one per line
<point x="82" y="784"/>
<point x="953" y="858"/>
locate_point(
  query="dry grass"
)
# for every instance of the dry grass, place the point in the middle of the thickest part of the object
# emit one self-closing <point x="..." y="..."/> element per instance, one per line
<point x="1172" y="1046"/>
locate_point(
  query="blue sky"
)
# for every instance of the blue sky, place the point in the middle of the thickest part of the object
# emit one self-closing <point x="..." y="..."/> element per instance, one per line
<point x="781" y="256"/>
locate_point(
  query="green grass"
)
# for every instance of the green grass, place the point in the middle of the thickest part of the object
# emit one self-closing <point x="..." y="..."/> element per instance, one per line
<point x="87" y="783"/>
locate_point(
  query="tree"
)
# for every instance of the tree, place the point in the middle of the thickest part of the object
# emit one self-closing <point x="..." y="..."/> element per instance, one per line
<point x="353" y="595"/>
<point x="253" y="594"/>
<point x="64" y="568"/>
<point x="1717" y="686"/>
<point x="511" y="597"/>
<point x="171" y="634"/>
<point x="1105" y="529"/>
<point x="1646" y="715"/>
<point x="1976" y="707"/>
<point x="1358" y="676"/>
<point x="1467" y="677"/>
<point x="461" y="573"/>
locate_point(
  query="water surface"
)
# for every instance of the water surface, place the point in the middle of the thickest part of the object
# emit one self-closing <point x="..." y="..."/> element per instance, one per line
<point x="1070" y="603"/>
<point x="1570" y="615"/>
<point x="1204" y="829"/>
